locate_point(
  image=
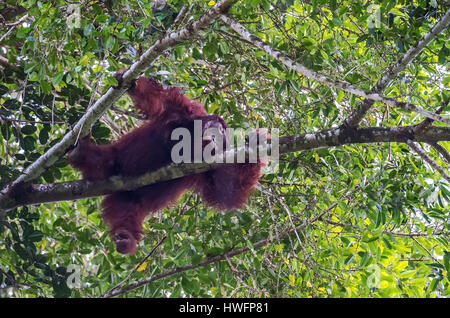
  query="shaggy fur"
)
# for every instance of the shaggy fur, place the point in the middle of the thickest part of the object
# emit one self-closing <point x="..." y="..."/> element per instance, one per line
<point x="148" y="148"/>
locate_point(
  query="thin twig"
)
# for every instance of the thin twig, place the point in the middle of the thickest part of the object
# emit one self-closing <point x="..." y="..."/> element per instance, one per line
<point x="138" y="266"/>
<point x="13" y="25"/>
<point x="6" y="119"/>
<point x="426" y="250"/>
<point x="210" y="260"/>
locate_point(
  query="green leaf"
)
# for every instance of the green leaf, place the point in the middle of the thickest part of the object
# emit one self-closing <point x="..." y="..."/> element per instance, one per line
<point x="20" y="251"/>
<point x="23" y="32"/>
<point x="188" y="285"/>
<point x="28" y="129"/>
<point x="58" y="78"/>
<point x="35" y="236"/>
<point x="30" y="67"/>
<point x="43" y="136"/>
<point x="28" y="143"/>
<point x="363" y="38"/>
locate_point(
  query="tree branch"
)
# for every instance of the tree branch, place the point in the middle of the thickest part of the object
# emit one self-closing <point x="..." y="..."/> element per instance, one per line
<point x="345" y="86"/>
<point x="358" y="114"/>
<point x="424" y="156"/>
<point x="217" y="258"/>
<point x="5" y="63"/>
<point x="72" y="190"/>
<point x="12" y="26"/>
<point x="10" y="12"/>
<point x="115" y="288"/>
<point x="85" y="123"/>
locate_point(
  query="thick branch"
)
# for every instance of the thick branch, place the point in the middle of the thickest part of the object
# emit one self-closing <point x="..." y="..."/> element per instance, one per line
<point x="95" y="112"/>
<point x="338" y="137"/>
<point x="36" y="194"/>
<point x="345" y="86"/>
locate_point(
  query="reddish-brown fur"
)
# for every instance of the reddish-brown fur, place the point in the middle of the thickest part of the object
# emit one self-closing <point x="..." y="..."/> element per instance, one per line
<point x="148" y="148"/>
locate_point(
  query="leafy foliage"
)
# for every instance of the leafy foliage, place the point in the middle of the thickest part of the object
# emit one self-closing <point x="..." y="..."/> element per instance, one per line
<point x="377" y="218"/>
